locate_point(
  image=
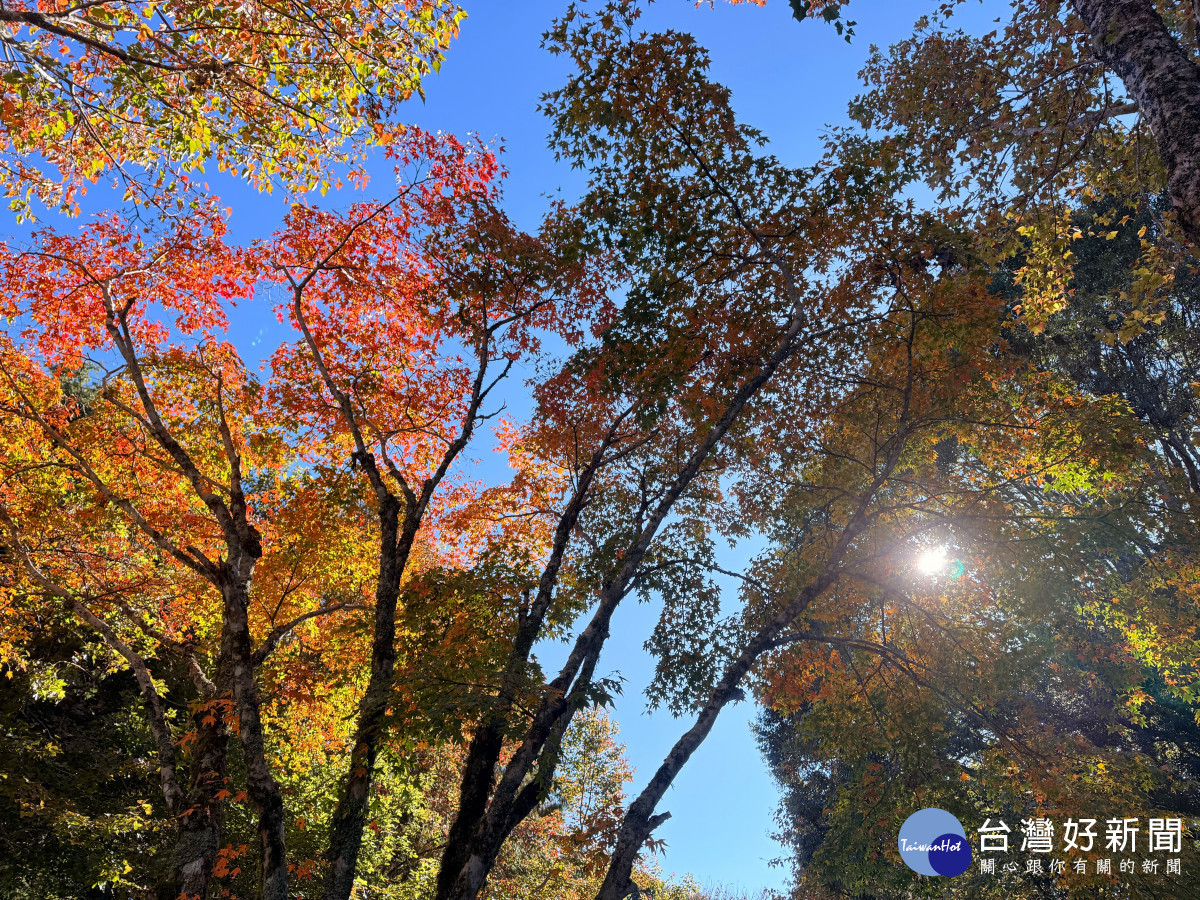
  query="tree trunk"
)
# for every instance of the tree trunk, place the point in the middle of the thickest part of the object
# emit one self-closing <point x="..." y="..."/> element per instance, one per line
<point x="514" y="798"/>
<point x="396" y="543"/>
<point x="261" y="786"/>
<point x="350" y="817"/>
<point x="202" y="826"/>
<point x="478" y="780"/>
<point x="1130" y="37"/>
<point x="640" y="821"/>
<point x="483" y="753"/>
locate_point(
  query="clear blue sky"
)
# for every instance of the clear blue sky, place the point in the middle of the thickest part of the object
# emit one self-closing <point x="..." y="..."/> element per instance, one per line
<point x="788" y="80"/>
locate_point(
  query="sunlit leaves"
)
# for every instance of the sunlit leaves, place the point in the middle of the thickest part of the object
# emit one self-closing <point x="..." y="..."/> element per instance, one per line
<point x="147" y="92"/>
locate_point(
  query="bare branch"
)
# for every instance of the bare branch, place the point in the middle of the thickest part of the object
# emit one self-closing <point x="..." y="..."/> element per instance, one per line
<point x="281" y="631"/>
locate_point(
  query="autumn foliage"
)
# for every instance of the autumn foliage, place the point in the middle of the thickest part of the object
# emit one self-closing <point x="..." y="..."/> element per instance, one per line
<point x="277" y="631"/>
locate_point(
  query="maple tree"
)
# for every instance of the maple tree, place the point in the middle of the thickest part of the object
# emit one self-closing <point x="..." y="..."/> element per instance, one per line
<point x="991" y="686"/>
<point x="716" y="242"/>
<point x="871" y="482"/>
<point x="270" y="92"/>
<point x="1118" y="631"/>
<point x="53" y="437"/>
<point x="641" y="818"/>
<point x="333" y="627"/>
<point x="997" y="686"/>
<point x="438" y="272"/>
<point x="512" y="288"/>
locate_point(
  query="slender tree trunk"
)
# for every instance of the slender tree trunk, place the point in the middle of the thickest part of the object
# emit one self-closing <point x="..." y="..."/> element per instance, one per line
<point x="1130" y="37"/>
<point x="396" y="543"/>
<point x="476" y="848"/>
<point x="350" y="817"/>
<point x="483" y="754"/>
<point x="640" y="820"/>
<point x="478" y="780"/>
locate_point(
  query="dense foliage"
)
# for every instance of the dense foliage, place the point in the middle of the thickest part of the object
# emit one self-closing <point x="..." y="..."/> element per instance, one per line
<point x="272" y="634"/>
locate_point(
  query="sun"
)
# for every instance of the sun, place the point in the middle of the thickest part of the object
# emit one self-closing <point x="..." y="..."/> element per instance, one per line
<point x="932" y="560"/>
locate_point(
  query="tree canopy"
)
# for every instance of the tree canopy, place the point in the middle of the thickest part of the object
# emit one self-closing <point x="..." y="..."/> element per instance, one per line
<point x="275" y="93"/>
<point x="272" y="633"/>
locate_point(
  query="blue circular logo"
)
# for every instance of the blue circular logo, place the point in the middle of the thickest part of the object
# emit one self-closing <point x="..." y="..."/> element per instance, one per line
<point x="933" y="842"/>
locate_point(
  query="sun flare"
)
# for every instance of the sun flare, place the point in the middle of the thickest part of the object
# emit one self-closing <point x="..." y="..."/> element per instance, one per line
<point x="932" y="560"/>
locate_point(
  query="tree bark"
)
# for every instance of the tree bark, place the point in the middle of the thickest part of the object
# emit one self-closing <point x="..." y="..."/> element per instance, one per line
<point x="350" y="816"/>
<point x="202" y="824"/>
<point x="236" y="646"/>
<point x="1131" y="38"/>
<point x="261" y="787"/>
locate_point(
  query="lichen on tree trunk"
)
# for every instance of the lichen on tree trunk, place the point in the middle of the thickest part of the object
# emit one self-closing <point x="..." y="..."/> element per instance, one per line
<point x="203" y="825"/>
<point x="1131" y="38"/>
